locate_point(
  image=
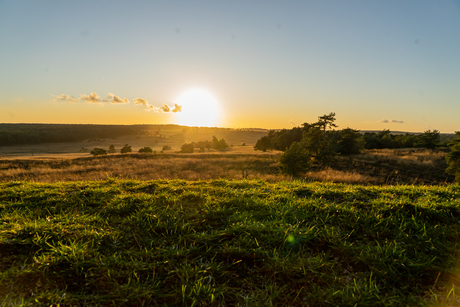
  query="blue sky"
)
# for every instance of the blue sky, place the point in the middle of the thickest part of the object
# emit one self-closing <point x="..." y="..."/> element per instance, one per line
<point x="376" y="64"/>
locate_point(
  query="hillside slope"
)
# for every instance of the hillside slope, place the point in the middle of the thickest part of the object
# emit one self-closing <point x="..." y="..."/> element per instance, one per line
<point x="233" y="243"/>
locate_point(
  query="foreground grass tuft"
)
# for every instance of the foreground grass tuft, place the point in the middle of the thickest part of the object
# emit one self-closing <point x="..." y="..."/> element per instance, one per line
<point x="227" y="243"/>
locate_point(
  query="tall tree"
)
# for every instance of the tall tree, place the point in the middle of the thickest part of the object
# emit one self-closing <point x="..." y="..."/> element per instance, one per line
<point x="320" y="142"/>
<point x="326" y="121"/>
<point x="350" y="142"/>
<point x="429" y="139"/>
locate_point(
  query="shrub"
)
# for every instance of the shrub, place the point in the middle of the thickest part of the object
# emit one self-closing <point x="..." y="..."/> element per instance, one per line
<point x="429" y="139"/>
<point x="263" y="144"/>
<point x="219" y="144"/>
<point x="350" y="142"/>
<point x="126" y="149"/>
<point x="145" y="150"/>
<point x="187" y="148"/>
<point x="295" y="160"/>
<point x="98" y="151"/>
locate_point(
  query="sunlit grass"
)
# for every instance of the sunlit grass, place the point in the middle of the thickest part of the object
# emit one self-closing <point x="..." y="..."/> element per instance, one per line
<point x="419" y="156"/>
<point x="233" y="243"/>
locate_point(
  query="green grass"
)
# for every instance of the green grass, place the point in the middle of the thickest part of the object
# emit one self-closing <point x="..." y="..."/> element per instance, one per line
<point x="227" y="243"/>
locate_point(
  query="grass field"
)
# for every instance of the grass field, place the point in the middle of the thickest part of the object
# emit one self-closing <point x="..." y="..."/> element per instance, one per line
<point x="227" y="243"/>
<point x="382" y="167"/>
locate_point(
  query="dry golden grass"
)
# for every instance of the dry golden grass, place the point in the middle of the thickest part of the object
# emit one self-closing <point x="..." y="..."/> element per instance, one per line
<point x="408" y="156"/>
<point x="239" y="162"/>
<point x="147" y="167"/>
<point x="342" y="176"/>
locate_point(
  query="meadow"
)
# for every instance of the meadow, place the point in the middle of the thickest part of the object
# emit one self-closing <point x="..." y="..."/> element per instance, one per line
<point x="225" y="228"/>
<point x="227" y="243"/>
<point x="415" y="166"/>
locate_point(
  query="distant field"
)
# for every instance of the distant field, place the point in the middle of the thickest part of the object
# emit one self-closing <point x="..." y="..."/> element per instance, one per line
<point x="227" y="243"/>
<point x="382" y="167"/>
<point x="154" y="136"/>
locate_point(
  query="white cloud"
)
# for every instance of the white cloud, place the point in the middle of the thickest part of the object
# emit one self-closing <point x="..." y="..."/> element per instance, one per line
<point x="393" y="121"/>
<point x="64" y="97"/>
<point x="165" y="108"/>
<point x="112" y="98"/>
<point x="177" y="108"/>
<point x="117" y="99"/>
<point x="141" y="101"/>
<point x="91" y="98"/>
<point x="144" y="102"/>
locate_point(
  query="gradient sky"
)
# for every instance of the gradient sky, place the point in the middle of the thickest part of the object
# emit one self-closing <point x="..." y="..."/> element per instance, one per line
<point x="269" y="64"/>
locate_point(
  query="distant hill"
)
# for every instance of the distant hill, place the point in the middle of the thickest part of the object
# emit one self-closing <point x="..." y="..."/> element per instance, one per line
<point x="32" y="134"/>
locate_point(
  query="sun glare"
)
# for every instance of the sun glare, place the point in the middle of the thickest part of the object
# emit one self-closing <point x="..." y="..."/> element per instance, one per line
<point x="199" y="108"/>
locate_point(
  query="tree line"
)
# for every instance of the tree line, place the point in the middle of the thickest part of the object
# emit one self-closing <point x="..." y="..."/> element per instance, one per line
<point x="348" y="140"/>
<point x="319" y="142"/>
<point x="202" y="145"/>
<point x="24" y="134"/>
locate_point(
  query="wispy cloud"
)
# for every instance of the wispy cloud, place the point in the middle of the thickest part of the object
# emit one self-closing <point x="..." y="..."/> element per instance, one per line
<point x="112" y="98"/>
<point x="144" y="102"/>
<point x="116" y="99"/>
<point x="393" y="121"/>
<point x="64" y="97"/>
<point x="165" y="108"/>
<point x="91" y="98"/>
<point x="177" y="108"/>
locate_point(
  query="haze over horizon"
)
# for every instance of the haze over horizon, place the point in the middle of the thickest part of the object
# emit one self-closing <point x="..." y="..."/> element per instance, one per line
<point x="262" y="64"/>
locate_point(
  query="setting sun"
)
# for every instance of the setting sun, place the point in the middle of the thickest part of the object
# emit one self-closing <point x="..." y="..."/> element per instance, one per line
<point x="199" y="108"/>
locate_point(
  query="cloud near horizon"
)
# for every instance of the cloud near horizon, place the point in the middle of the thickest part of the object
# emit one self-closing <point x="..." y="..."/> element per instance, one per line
<point x="64" y="97"/>
<point x="92" y="98"/>
<point x="116" y="99"/>
<point x="112" y="98"/>
<point x="164" y="109"/>
<point x="177" y="108"/>
<point x="393" y="121"/>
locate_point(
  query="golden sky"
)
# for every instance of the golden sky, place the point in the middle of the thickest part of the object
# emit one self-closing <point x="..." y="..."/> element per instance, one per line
<point x="269" y="64"/>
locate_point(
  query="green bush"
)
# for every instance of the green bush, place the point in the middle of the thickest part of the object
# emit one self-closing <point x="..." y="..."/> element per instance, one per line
<point x="98" y="151"/>
<point x="187" y="148"/>
<point x="295" y="160"/>
<point x="126" y="149"/>
<point x="219" y="144"/>
<point x="453" y="158"/>
<point x="145" y="150"/>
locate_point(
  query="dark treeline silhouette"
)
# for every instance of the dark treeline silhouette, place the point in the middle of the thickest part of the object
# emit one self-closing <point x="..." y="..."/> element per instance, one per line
<point x="350" y="141"/>
<point x="321" y="144"/>
<point x="215" y="144"/>
<point x="23" y="134"/>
